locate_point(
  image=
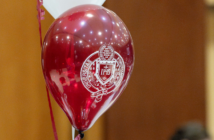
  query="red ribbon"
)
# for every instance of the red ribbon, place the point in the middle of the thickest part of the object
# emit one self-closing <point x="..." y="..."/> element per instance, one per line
<point x="40" y="17"/>
<point x="52" y="116"/>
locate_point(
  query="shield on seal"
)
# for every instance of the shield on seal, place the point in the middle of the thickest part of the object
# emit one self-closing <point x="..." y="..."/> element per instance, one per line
<point x="105" y="71"/>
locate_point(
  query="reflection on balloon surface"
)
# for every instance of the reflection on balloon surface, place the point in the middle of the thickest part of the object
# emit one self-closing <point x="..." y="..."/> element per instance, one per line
<point x="87" y="60"/>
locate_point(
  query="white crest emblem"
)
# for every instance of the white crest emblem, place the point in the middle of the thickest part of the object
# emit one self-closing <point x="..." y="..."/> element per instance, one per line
<point x="102" y="72"/>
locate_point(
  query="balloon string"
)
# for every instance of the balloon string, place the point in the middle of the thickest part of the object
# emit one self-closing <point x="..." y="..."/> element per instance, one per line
<point x="40" y="17"/>
<point x="52" y="116"/>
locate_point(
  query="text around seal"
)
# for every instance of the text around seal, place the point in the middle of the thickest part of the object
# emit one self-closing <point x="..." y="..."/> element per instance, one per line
<point x="102" y="72"/>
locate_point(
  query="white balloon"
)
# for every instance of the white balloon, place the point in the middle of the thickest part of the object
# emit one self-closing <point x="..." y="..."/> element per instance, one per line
<point x="57" y="7"/>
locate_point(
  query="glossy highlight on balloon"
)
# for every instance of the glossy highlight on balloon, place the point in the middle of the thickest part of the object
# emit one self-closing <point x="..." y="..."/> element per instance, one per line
<point x="87" y="61"/>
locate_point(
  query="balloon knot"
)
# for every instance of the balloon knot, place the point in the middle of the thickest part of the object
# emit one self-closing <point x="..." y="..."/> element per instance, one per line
<point x="81" y="134"/>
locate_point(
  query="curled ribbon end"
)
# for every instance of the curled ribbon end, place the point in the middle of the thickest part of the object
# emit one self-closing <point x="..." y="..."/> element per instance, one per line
<point x="41" y="12"/>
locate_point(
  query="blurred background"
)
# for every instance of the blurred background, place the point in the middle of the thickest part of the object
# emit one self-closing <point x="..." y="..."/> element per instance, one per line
<point x="172" y="82"/>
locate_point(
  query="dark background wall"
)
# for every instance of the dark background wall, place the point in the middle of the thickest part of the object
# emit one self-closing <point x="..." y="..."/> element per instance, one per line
<point x="167" y="87"/>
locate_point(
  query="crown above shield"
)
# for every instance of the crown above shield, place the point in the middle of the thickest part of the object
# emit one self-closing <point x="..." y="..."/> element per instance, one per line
<point x="106" y="53"/>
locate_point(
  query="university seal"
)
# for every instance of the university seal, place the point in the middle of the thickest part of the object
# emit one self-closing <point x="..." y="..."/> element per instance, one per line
<point x="102" y="72"/>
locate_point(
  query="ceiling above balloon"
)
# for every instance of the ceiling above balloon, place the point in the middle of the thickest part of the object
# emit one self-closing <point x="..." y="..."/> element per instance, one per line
<point x="57" y="7"/>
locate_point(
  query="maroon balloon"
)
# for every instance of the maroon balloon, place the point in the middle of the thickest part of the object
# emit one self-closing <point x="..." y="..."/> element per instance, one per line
<point x="87" y="60"/>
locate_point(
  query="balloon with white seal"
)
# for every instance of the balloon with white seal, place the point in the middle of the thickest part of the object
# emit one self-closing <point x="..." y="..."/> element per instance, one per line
<point x="57" y="7"/>
<point x="87" y="61"/>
